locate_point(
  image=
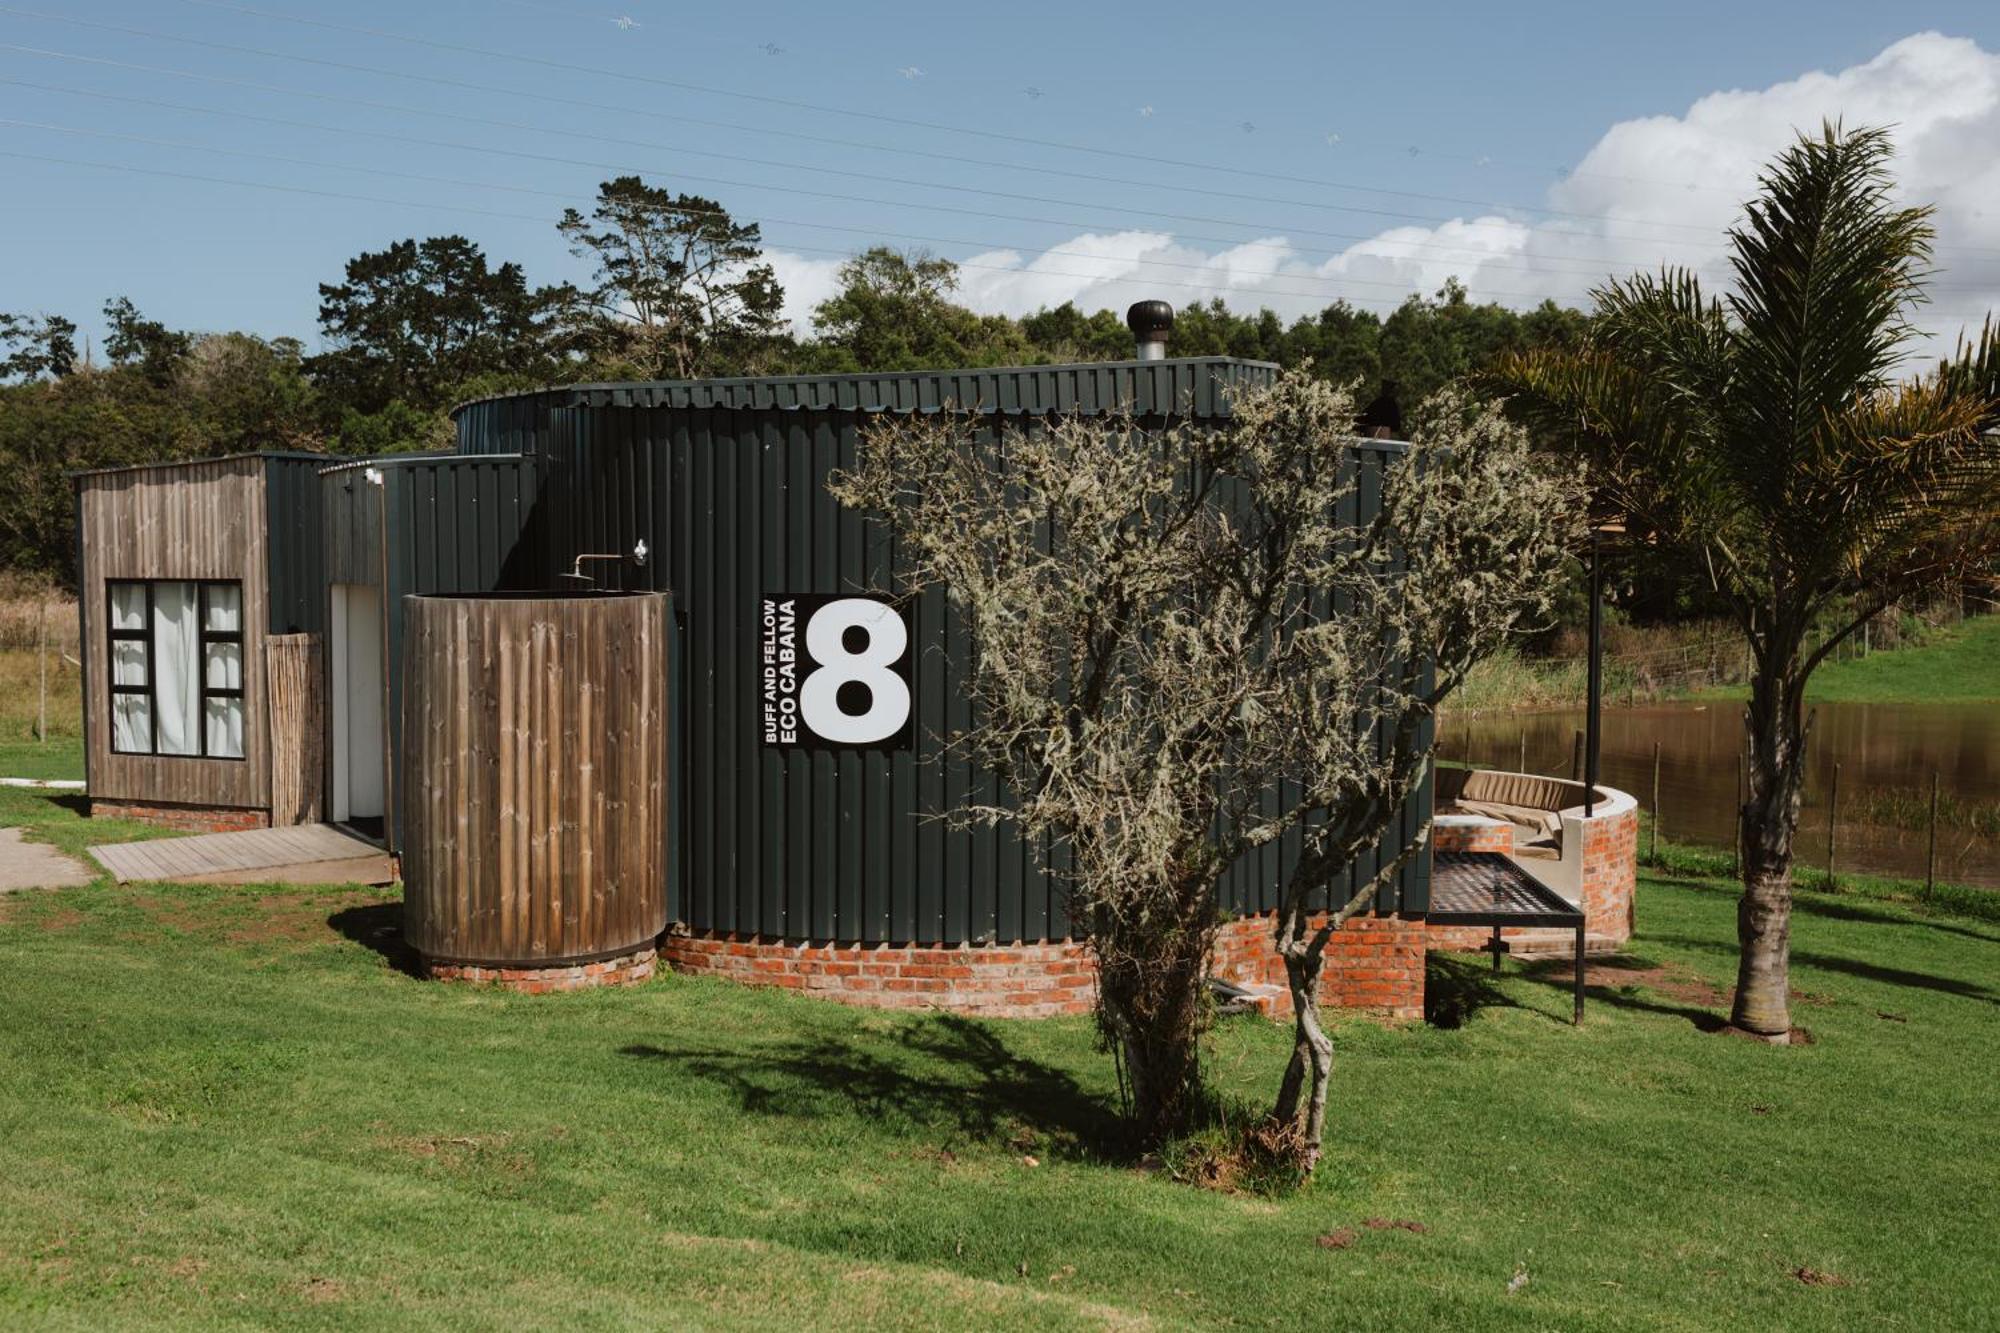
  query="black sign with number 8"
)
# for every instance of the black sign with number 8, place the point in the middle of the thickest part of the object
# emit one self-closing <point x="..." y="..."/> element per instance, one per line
<point x="834" y="672"/>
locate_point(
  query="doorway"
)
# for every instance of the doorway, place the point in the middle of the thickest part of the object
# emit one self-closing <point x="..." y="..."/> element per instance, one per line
<point x="357" y="798"/>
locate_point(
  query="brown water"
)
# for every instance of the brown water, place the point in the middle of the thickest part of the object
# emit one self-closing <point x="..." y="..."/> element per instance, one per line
<point x="1876" y="746"/>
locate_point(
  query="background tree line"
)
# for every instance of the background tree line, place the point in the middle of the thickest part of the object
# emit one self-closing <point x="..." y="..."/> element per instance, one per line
<point x="676" y="288"/>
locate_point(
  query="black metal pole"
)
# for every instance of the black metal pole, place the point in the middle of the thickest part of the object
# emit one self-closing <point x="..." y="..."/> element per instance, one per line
<point x="1577" y="1016"/>
<point x="1594" y="712"/>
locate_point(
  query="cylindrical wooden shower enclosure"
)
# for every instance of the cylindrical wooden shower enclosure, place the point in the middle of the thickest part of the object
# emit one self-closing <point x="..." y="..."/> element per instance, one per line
<point x="533" y="785"/>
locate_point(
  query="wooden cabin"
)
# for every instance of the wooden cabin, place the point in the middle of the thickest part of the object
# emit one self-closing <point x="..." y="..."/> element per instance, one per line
<point x="202" y="604"/>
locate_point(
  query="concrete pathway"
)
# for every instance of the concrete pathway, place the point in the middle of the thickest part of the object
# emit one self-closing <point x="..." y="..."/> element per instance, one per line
<point x="32" y="865"/>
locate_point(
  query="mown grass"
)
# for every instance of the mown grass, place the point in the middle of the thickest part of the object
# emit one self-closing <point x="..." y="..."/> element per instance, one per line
<point x="1923" y="663"/>
<point x="1960" y="664"/>
<point x="227" y="1106"/>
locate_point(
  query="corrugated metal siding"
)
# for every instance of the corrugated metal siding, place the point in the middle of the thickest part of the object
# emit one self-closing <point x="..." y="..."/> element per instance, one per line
<point x="352" y="525"/>
<point x="726" y="482"/>
<point x="297" y="554"/>
<point x="433" y="524"/>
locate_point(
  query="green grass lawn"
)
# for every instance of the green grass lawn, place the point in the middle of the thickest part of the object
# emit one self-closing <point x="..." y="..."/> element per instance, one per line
<point x="1960" y="665"/>
<point x="229" y="1106"/>
<point x="57" y="757"/>
<point x="1956" y="665"/>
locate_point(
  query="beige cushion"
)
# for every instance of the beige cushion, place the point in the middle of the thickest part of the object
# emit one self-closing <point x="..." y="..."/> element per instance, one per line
<point x="1540" y="823"/>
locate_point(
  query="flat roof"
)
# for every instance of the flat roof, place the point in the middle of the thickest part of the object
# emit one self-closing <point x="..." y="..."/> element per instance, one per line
<point x="295" y="455"/>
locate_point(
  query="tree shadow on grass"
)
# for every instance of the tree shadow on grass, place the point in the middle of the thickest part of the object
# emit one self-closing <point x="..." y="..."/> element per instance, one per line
<point x="379" y="926"/>
<point x="945" y="1072"/>
<point x="1457" y="988"/>
<point x="1556" y="974"/>
<point x="1875" y="916"/>
<point x="1854" y="967"/>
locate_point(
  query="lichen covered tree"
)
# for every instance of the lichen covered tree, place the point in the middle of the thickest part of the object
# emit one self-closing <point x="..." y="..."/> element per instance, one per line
<point x="1192" y="642"/>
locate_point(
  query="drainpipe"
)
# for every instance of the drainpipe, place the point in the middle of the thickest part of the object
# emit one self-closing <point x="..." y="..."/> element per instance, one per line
<point x="1150" y="322"/>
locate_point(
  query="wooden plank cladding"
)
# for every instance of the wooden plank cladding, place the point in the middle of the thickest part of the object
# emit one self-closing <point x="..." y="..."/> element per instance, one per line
<point x="533" y="776"/>
<point x="298" y="728"/>
<point x="175" y="521"/>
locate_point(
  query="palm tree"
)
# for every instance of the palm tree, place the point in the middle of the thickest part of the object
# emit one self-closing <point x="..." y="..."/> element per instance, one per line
<point x="1768" y="435"/>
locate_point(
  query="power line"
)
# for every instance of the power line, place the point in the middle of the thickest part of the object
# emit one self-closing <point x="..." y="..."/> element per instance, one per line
<point x="349" y="196"/>
<point x="431" y="178"/>
<point x="816" y="108"/>
<point x="315" y="192"/>
<point x="486" y="90"/>
<point x="1594" y="274"/>
<point x="382" y="34"/>
<point x="527" y="217"/>
<point x="1591" y="271"/>
<point x="1462" y="252"/>
<point x="705" y="122"/>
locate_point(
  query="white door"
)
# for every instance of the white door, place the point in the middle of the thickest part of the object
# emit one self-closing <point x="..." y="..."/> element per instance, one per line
<point x="357" y="702"/>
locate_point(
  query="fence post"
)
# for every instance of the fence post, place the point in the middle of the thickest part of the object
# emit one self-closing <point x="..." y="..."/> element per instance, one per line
<point x="42" y="663"/>
<point x="1655" y="857"/>
<point x="1930" y="855"/>
<point x="1524" y="751"/>
<point x="1832" y="820"/>
<point x="1740" y="801"/>
<point x="1576" y="759"/>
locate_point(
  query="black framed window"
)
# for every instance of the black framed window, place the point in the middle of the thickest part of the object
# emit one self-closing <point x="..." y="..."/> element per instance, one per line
<point x="176" y="667"/>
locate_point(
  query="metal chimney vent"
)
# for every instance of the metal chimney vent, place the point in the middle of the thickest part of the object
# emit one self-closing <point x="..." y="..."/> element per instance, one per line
<point x="1151" y="322"/>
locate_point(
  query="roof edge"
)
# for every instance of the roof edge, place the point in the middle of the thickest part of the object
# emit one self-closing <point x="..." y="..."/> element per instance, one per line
<point x="291" y="455"/>
<point x="587" y="386"/>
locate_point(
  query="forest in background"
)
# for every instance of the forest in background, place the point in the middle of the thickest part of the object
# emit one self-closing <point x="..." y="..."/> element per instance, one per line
<point x="678" y="289"/>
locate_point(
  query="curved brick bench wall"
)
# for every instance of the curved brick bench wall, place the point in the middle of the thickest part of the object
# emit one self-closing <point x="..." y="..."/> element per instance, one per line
<point x="1373" y="963"/>
<point x="1607" y="875"/>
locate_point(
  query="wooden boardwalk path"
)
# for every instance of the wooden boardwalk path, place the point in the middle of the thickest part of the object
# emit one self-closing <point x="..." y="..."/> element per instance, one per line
<point x="302" y="854"/>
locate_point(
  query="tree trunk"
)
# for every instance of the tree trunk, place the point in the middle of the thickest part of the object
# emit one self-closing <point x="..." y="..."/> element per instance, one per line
<point x="1311" y="1068"/>
<point x="1152" y="1004"/>
<point x="1770" y="821"/>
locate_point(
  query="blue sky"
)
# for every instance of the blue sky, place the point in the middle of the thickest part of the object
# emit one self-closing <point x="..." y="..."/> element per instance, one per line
<point x="1179" y="150"/>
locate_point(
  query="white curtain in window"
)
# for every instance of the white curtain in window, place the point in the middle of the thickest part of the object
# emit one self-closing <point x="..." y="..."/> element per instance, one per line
<point x="224" y="717"/>
<point x="225" y="728"/>
<point x="176" y="660"/>
<point x="131" y="723"/>
<point x="131" y="714"/>
<point x="128" y="606"/>
<point x="225" y="607"/>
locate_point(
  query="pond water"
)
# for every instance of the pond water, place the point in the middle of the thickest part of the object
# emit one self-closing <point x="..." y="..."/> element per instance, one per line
<point x="1886" y="753"/>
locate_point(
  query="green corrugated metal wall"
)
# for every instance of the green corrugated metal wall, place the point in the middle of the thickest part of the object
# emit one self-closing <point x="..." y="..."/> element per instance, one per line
<point x="725" y="481"/>
<point x="435" y="524"/>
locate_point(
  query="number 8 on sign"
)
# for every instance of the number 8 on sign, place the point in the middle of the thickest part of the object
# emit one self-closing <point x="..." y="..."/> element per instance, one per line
<point x="835" y="672"/>
<point x="829" y="639"/>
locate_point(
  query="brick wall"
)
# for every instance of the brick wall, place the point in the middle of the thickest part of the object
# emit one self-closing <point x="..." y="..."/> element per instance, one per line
<point x="1609" y="875"/>
<point x="1373" y="963"/>
<point x="625" y="970"/>
<point x="1484" y="835"/>
<point x="188" y="818"/>
<point x="1012" y="980"/>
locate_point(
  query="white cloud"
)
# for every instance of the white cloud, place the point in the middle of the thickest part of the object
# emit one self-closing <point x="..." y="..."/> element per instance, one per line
<point x="1653" y="190"/>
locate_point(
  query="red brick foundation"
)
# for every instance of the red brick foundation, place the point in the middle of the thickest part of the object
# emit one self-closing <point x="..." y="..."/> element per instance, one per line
<point x="625" y="970"/>
<point x="1374" y="963"/>
<point x="1002" y="981"/>
<point x="188" y="818"/>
